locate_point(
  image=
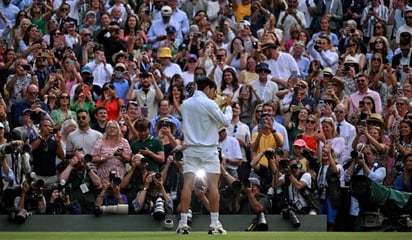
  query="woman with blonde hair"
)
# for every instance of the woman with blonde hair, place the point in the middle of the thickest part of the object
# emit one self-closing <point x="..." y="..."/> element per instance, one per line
<point x="294" y="31"/>
<point x="329" y="135"/>
<point x="112" y="152"/>
<point x="353" y="49"/>
<point x="249" y="74"/>
<point x="256" y="115"/>
<point x="309" y="134"/>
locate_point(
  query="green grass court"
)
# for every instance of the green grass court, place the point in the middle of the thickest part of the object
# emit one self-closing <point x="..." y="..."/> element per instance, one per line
<point x="202" y="235"/>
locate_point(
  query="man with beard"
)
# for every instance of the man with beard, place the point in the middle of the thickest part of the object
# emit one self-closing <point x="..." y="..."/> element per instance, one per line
<point x="363" y="90"/>
<point x="146" y="96"/>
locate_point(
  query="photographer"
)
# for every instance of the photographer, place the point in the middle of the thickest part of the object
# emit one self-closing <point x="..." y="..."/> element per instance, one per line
<point x="18" y="161"/>
<point x="83" y="181"/>
<point x="110" y="194"/>
<point x="322" y="49"/>
<point x="172" y="173"/>
<point x="254" y="201"/>
<point x="59" y="203"/>
<point x="265" y="172"/>
<point x="152" y="189"/>
<point x="294" y="183"/>
<point x="365" y="162"/>
<point x="31" y="198"/>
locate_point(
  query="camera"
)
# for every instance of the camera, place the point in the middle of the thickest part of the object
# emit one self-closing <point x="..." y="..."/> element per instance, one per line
<point x="356" y="154"/>
<point x="346" y="68"/>
<point x="157" y="176"/>
<point x="114" y="180"/>
<point x="218" y="58"/>
<point x="199" y="184"/>
<point x="159" y="212"/>
<point x="117" y="152"/>
<point x="259" y="223"/>
<point x="288" y="213"/>
<point x="87" y="158"/>
<point x="361" y="104"/>
<point x="317" y="47"/>
<point x="178" y="154"/>
<point x="6" y="149"/>
<point x="269" y="154"/>
<point x="283" y="165"/>
<point x="246" y="183"/>
<point x="18" y="215"/>
<point x="26" y="67"/>
<point x="352" y="30"/>
<point x="65" y="189"/>
<point x="120" y="209"/>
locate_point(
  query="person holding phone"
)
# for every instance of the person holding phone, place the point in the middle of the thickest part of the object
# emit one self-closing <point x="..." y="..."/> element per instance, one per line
<point x="62" y="110"/>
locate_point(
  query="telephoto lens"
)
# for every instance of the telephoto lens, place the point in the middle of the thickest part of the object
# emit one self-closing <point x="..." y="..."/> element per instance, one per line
<point x="159" y="212"/>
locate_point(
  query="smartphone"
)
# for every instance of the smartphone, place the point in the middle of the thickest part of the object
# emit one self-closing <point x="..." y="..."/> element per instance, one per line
<point x="71" y="63"/>
<point x="262" y="122"/>
<point x="59" y="71"/>
<point x="71" y="25"/>
<point x="86" y="90"/>
<point x="361" y="104"/>
<point x="26" y="67"/>
<point x="363" y="123"/>
<point x="123" y="108"/>
<point x="321" y="104"/>
<point x="219" y="58"/>
<point x="294" y="74"/>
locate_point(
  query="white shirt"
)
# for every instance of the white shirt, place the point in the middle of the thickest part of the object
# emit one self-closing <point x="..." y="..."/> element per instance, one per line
<point x="217" y="77"/>
<point x="102" y="73"/>
<point x="201" y="117"/>
<point x="230" y="150"/>
<point x="240" y="131"/>
<point x="326" y="58"/>
<point x="348" y="132"/>
<point x="282" y="67"/>
<point x="169" y="71"/>
<point x="188" y="78"/>
<point x="267" y="91"/>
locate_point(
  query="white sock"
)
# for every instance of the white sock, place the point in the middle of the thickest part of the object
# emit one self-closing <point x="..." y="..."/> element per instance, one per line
<point x="214" y="217"/>
<point x="183" y="218"/>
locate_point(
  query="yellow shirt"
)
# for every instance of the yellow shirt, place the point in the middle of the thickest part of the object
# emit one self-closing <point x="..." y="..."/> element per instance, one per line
<point x="242" y="11"/>
<point x="266" y="141"/>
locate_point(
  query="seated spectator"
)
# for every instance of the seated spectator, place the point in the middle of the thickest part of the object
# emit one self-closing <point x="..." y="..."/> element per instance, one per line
<point x="62" y="111"/>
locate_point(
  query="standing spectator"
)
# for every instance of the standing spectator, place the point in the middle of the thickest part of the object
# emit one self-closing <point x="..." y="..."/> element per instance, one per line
<point x="241" y="132"/>
<point x="121" y="80"/>
<point x="147" y="96"/>
<point x="102" y="71"/>
<point x="344" y="129"/>
<point x="111" y="152"/>
<point x="84" y="137"/>
<point x="157" y="31"/>
<point x="45" y="149"/>
<point x="263" y="86"/>
<point x="372" y="13"/>
<point x="110" y="101"/>
<point x="39" y="109"/>
<point x="281" y="64"/>
<point x="230" y="149"/>
<point x="164" y="112"/>
<point x="322" y="49"/>
<point x="363" y="90"/>
<point x="289" y="17"/>
<point x="62" y="111"/>
<point x="101" y="119"/>
<point x="216" y="71"/>
<point x="112" y="44"/>
<point x="16" y="83"/>
<point x="177" y="16"/>
<point x="8" y="14"/>
<point x="147" y="145"/>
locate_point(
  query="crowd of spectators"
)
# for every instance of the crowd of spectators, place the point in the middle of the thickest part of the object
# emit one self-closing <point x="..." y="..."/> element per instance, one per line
<point x="91" y="95"/>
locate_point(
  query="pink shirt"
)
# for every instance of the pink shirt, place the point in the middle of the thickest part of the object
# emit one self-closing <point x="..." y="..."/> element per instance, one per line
<point x="357" y="96"/>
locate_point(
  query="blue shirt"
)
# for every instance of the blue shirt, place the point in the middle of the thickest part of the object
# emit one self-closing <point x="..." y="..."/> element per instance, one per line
<point x="303" y="64"/>
<point x="400" y="186"/>
<point x="121" y="87"/>
<point x="159" y="28"/>
<point x="172" y="118"/>
<point x="17" y="112"/>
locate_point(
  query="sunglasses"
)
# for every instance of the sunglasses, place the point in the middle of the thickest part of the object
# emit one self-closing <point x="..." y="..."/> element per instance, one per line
<point x="117" y="30"/>
<point x="310" y="121"/>
<point x="64" y="9"/>
<point x="376" y="42"/>
<point x="301" y="86"/>
<point x="339" y="111"/>
<point x="262" y="71"/>
<point x="408" y="17"/>
<point x="400" y="104"/>
<point x="378" y="27"/>
<point x="360" y="80"/>
<point x="64" y="97"/>
<point x="33" y="93"/>
<point x="122" y="124"/>
<point x="376" y="59"/>
<point x="81" y="117"/>
<point x="259" y="111"/>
